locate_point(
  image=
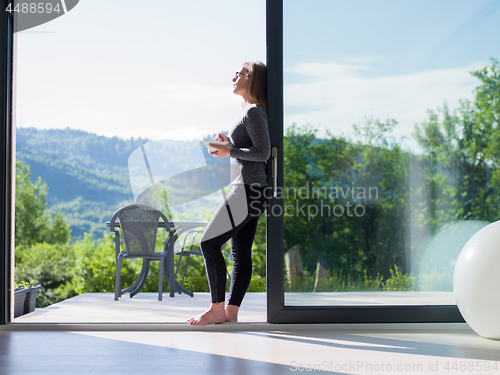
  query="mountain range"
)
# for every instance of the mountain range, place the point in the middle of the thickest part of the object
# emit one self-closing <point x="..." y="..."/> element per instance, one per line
<point x="87" y="174"/>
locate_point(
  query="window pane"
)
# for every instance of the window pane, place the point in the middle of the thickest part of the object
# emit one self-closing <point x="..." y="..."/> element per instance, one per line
<point x="390" y="146"/>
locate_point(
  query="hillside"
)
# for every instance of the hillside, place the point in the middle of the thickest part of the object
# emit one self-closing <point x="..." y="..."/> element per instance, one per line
<point x="87" y="175"/>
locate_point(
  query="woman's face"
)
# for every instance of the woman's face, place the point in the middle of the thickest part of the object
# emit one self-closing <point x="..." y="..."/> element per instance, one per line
<point x="240" y="83"/>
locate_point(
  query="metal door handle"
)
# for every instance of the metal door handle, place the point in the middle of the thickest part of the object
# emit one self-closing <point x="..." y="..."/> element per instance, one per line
<point x="275" y="171"/>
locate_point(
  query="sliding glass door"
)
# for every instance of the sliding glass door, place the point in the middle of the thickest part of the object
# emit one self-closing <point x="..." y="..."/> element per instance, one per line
<point x="114" y="102"/>
<point x="385" y="165"/>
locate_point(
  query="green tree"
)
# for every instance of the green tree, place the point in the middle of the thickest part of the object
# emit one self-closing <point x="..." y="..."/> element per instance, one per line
<point x="456" y="176"/>
<point x="384" y="167"/>
<point x="33" y="224"/>
<point x="332" y="177"/>
<point x="312" y="166"/>
<point x="43" y="253"/>
<point x="49" y="265"/>
<point x="461" y="156"/>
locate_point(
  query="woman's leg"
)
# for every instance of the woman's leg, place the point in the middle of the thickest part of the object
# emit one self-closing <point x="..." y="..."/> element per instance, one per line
<point x="215" y="266"/>
<point x="219" y="230"/>
<point x="241" y="251"/>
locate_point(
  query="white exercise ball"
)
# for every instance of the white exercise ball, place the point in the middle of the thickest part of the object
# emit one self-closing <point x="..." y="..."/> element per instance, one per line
<point x="476" y="281"/>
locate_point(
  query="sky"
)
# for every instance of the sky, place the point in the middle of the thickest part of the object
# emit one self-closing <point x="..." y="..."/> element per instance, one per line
<point x="117" y="69"/>
<point x="346" y="61"/>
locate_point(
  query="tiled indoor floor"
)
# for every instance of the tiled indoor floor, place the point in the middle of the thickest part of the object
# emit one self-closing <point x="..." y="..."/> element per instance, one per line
<point x="144" y="336"/>
<point x="366" y="350"/>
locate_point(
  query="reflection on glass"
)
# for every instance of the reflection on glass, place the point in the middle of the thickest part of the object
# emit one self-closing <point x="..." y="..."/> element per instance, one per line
<point x="390" y="145"/>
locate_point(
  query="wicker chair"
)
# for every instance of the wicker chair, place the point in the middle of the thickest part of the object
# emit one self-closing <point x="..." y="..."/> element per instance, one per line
<point x="139" y="227"/>
<point x="187" y="251"/>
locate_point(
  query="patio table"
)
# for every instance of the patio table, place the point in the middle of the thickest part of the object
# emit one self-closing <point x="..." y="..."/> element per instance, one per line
<point x="176" y="229"/>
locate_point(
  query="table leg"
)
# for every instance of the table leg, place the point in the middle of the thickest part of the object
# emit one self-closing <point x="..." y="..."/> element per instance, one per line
<point x="169" y="269"/>
<point x="144" y="270"/>
<point x="144" y="278"/>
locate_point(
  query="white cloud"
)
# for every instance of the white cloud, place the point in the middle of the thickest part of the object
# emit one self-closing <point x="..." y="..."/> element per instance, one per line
<point x="337" y="95"/>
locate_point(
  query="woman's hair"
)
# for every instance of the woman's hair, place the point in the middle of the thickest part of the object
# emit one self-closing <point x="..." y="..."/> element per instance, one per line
<point x="257" y="82"/>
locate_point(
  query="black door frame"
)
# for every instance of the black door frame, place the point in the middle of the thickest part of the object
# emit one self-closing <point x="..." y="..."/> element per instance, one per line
<point x="6" y="162"/>
<point x="277" y="312"/>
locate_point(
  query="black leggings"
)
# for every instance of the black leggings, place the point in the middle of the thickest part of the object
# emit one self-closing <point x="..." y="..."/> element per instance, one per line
<point x="236" y="218"/>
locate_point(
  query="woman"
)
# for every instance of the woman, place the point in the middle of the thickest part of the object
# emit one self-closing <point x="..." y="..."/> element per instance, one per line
<point x="249" y="148"/>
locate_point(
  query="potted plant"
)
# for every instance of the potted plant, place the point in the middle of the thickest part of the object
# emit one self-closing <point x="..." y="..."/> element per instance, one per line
<point x="25" y="298"/>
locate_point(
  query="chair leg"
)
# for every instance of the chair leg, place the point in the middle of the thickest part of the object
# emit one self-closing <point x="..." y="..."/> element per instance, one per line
<point x="160" y="282"/>
<point x="178" y="264"/>
<point x="185" y="268"/>
<point x="171" y="280"/>
<point x="118" y="281"/>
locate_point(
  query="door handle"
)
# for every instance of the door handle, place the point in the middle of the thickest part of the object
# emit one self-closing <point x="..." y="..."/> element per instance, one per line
<point x="275" y="171"/>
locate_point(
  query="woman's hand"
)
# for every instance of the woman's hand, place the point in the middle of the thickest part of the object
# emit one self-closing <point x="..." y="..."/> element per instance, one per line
<point x="221" y="138"/>
<point x="222" y="151"/>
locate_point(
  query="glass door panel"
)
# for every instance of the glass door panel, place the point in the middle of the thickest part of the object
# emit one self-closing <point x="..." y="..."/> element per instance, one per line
<point x="389" y="151"/>
<point x="113" y="99"/>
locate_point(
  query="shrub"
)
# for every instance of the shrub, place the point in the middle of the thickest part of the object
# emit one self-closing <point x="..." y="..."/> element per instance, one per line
<point x="257" y="284"/>
<point x="337" y="282"/>
<point x="95" y="267"/>
<point x="49" y="265"/>
<point x="398" y="281"/>
<point x="435" y="281"/>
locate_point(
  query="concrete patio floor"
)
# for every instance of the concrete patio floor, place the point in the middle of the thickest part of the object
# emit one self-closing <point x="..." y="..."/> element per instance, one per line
<point x="142" y="308"/>
<point x="145" y="307"/>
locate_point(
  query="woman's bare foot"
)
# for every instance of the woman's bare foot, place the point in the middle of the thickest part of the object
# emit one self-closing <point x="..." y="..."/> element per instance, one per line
<point x="215" y="314"/>
<point x="232" y="313"/>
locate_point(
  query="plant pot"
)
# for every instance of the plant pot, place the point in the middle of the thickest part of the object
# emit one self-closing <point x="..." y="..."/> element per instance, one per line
<point x="25" y="300"/>
<point x="30" y="302"/>
<point x="19" y="301"/>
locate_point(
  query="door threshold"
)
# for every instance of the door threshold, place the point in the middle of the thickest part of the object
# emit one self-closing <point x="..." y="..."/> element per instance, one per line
<point x="229" y="326"/>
